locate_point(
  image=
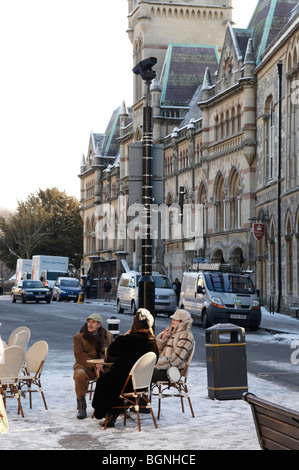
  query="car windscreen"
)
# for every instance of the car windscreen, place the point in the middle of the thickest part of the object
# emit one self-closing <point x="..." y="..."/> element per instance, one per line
<point x="232" y="283"/>
<point x="70" y="283"/>
<point x="32" y="284"/>
<point x="53" y="275"/>
<point x="162" y="282"/>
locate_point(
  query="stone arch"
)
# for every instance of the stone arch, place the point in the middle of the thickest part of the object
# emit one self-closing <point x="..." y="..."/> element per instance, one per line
<point x="236" y="255"/>
<point x="217" y="255"/>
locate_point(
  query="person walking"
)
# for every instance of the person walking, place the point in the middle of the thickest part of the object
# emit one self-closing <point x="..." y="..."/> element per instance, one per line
<point x="89" y="343"/>
<point x="107" y="289"/>
<point x="177" y="289"/>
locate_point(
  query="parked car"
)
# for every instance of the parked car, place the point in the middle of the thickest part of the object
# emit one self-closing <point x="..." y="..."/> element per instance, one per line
<point x="127" y="293"/>
<point x="215" y="296"/>
<point x="66" y="288"/>
<point x="29" y="290"/>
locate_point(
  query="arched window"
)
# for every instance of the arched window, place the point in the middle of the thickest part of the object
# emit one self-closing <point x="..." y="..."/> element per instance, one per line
<point x="93" y="236"/>
<point x="217" y="133"/>
<point x="203" y="199"/>
<point x="222" y="126"/>
<point x="219" y="203"/>
<point x="234" y="200"/>
<point x="272" y="257"/>
<point x="269" y="139"/>
<point x="239" y="118"/>
<point x="233" y="121"/>
<point x="289" y="255"/>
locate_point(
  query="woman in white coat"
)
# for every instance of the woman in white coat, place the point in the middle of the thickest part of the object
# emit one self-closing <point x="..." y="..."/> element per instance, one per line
<point x="175" y="344"/>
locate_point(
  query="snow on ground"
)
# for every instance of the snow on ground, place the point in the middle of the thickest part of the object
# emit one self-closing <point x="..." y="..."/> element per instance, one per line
<point x="218" y="424"/>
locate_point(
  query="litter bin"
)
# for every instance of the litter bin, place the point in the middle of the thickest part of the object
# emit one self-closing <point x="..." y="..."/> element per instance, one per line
<point x="226" y="361"/>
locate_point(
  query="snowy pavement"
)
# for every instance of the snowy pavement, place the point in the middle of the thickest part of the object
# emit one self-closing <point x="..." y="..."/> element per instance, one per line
<point x="218" y="424"/>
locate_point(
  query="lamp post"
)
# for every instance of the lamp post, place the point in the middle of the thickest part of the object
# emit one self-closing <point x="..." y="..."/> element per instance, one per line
<point x="146" y="286"/>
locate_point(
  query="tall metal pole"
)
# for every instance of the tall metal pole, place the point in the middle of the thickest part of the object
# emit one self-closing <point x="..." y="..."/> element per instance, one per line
<point x="146" y="286"/>
<point x="279" y="71"/>
<point x="146" y="282"/>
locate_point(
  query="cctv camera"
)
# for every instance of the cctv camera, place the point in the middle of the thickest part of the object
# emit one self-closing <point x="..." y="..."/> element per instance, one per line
<point x="144" y="68"/>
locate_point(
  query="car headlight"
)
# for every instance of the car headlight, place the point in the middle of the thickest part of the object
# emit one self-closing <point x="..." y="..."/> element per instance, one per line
<point x="217" y="302"/>
<point x="255" y="304"/>
<point x="62" y="291"/>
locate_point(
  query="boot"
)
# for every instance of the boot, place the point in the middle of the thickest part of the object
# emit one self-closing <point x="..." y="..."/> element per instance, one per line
<point x="81" y="407"/>
<point x="111" y="419"/>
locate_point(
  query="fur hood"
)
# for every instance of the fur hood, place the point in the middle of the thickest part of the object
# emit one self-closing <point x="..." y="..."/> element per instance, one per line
<point x="175" y="349"/>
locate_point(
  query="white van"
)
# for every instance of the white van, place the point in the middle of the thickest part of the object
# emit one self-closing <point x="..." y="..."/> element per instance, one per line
<point x="212" y="296"/>
<point x="127" y="293"/>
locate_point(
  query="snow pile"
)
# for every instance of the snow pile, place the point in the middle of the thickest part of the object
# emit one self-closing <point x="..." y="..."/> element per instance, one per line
<point x="226" y="425"/>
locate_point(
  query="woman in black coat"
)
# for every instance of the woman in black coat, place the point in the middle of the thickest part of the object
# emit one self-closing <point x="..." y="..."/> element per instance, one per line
<point x="124" y="351"/>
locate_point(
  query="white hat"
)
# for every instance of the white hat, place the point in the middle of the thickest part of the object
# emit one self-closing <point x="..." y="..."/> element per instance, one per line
<point x="181" y="315"/>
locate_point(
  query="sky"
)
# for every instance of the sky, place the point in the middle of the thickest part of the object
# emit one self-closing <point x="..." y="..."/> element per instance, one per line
<point x="66" y="66"/>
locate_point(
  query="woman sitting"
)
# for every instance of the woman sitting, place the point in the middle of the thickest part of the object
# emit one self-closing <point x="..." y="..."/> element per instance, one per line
<point x="124" y="351"/>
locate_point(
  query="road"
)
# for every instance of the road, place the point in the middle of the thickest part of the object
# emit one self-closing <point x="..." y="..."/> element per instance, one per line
<point x="57" y="323"/>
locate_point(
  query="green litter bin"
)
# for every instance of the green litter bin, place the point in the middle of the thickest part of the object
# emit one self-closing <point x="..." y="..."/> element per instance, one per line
<point x="226" y="361"/>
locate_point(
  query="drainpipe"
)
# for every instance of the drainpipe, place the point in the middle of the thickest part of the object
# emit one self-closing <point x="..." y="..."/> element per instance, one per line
<point x="279" y="72"/>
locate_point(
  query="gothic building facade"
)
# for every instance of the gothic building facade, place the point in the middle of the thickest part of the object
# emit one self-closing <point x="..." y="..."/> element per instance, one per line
<point x="216" y="114"/>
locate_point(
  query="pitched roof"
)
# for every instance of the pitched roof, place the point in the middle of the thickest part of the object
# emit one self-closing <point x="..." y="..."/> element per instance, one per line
<point x="110" y="146"/>
<point x="268" y="19"/>
<point x="194" y="112"/>
<point x="183" y="70"/>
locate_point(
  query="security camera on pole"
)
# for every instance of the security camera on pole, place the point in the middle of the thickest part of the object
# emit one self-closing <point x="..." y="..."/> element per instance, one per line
<point x="146" y="284"/>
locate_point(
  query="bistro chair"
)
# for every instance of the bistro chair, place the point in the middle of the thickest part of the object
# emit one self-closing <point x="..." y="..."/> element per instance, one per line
<point x="140" y="376"/>
<point x="34" y="363"/>
<point x="10" y="370"/>
<point x="179" y="388"/>
<point x="19" y="337"/>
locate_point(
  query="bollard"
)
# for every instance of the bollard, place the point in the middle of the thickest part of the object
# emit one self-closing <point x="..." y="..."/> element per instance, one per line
<point x="113" y="324"/>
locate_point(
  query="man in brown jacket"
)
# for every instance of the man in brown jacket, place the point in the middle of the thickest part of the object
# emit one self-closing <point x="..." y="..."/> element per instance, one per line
<point x="89" y="343"/>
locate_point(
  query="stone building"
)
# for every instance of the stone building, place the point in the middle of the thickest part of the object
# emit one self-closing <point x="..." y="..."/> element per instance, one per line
<point x="215" y="114"/>
<point x="277" y="183"/>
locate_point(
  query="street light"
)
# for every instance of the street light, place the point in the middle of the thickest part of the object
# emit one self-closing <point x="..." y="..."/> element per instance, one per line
<point x="146" y="285"/>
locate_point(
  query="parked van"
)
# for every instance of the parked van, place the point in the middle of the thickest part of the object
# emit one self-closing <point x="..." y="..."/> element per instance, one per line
<point x="217" y="294"/>
<point x="127" y="293"/>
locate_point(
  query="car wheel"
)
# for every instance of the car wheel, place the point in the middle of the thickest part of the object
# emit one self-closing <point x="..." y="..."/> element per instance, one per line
<point x="13" y="299"/>
<point x="205" y="322"/>
<point x="48" y="301"/>
<point x="133" y="308"/>
<point x="119" y="309"/>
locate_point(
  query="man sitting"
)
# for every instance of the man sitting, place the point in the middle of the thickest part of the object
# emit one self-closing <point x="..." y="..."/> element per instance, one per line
<point x="89" y="343"/>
